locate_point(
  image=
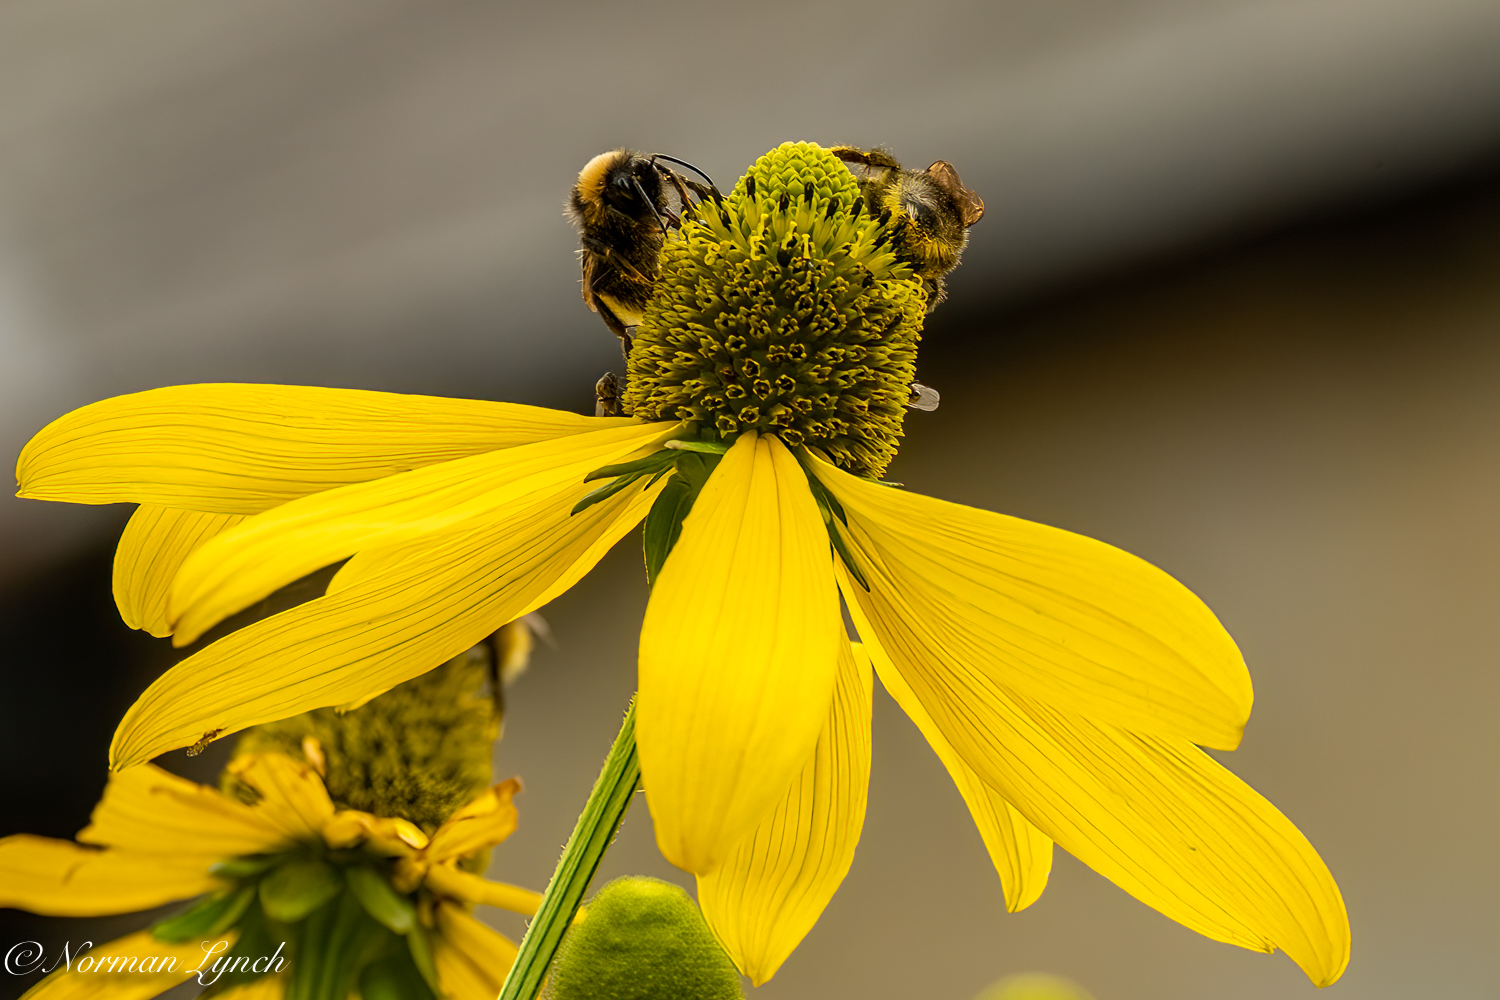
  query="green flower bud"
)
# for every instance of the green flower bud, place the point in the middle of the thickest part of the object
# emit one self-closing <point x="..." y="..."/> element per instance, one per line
<point x="641" y="939"/>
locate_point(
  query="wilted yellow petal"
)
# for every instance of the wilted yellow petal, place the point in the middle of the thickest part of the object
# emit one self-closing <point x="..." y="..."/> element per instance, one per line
<point x="292" y="792"/>
<point x="151" y="550"/>
<point x="235" y="448"/>
<point x="148" y="811"/>
<point x="467" y="887"/>
<point x="482" y="823"/>
<point x="1055" y="615"/>
<point x="420" y="605"/>
<point x="136" y="967"/>
<point x="739" y="651"/>
<point x="1021" y="854"/>
<point x="272" y="549"/>
<point x="1153" y="814"/>
<point x="472" y="960"/>
<point x="762" y="901"/>
<point x="62" y="879"/>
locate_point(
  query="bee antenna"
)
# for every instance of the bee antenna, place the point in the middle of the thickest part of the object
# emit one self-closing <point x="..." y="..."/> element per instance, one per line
<point x="649" y="203"/>
<point x="683" y="163"/>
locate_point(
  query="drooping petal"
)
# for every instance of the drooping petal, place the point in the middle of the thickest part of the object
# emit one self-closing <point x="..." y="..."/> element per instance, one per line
<point x="135" y="967"/>
<point x="232" y="448"/>
<point x="151" y="550"/>
<point x="472" y="960"/>
<point x="455" y="883"/>
<point x="292" y="793"/>
<point x="739" y="652"/>
<point x="150" y="812"/>
<point x="239" y="567"/>
<point x="62" y="879"/>
<point x="484" y="822"/>
<point x="762" y="901"/>
<point x="1021" y="854"/>
<point x="417" y="607"/>
<point x="1057" y="616"/>
<point x="1153" y="814"/>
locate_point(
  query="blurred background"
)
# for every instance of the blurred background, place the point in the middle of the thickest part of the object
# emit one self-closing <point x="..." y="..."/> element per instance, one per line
<point x="1233" y="307"/>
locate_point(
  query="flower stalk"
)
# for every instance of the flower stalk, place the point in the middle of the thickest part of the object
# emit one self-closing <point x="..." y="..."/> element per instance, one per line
<point x="595" y="830"/>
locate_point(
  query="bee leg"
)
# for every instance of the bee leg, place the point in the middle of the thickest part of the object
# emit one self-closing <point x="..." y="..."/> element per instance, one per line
<point x="682" y="195"/>
<point x="607" y="396"/>
<point x="649" y="203"/>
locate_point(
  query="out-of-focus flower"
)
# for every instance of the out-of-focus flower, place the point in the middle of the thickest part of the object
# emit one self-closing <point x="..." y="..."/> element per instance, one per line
<point x="299" y="896"/>
<point x="1034" y="986"/>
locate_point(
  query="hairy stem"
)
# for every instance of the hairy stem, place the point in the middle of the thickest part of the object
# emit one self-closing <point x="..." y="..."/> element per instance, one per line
<point x="596" y="828"/>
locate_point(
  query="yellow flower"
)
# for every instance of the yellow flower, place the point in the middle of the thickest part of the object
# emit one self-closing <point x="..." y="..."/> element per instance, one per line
<point x="1064" y="683"/>
<point x="155" y="838"/>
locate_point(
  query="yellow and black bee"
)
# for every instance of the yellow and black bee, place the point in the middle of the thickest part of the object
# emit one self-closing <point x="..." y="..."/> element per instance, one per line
<point x="622" y="205"/>
<point x="931" y="208"/>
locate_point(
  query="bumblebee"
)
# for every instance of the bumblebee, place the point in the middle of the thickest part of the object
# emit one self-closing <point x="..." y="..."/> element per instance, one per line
<point x="932" y="211"/>
<point x="622" y="205"/>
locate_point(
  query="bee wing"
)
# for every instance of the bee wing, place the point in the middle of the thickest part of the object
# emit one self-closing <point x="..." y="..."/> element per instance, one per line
<point x="970" y="205"/>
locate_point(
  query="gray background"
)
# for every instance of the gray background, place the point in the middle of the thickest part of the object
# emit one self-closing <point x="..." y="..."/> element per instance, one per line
<point x="1232" y="307"/>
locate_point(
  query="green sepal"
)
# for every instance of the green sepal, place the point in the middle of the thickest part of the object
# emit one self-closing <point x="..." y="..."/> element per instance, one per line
<point x="651" y="463"/>
<point x="703" y="447"/>
<point x="604" y="493"/>
<point x="309" y="943"/>
<point x="352" y="936"/>
<point x="393" y="977"/>
<point x="664" y="524"/>
<point x="245" y="867"/>
<point x="209" y="916"/>
<point x="297" y="888"/>
<point x="842" y="548"/>
<point x="380" y="899"/>
<point x="255" y="943"/>
<point x="420" y="947"/>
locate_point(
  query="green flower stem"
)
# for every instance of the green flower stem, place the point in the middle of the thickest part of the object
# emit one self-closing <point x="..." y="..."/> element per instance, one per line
<point x="596" y="829"/>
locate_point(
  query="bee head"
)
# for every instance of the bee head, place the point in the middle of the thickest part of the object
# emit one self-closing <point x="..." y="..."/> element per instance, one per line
<point x="937" y="210"/>
<point x="619" y="181"/>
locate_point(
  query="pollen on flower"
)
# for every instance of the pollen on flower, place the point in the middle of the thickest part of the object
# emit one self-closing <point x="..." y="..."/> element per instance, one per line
<point x="783" y="310"/>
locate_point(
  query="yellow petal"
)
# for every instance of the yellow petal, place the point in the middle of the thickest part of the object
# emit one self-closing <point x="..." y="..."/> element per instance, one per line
<point x="387" y="836"/>
<point x="63" y="879"/>
<point x="151" y="550"/>
<point x="467" y="887"/>
<point x="762" y="901"/>
<point x="472" y="960"/>
<point x="265" y="988"/>
<point x="419" y="606"/>
<point x="1058" y="616"/>
<point x="136" y="967"/>
<point x="272" y="549"/>
<point x="147" y="811"/>
<point x="1021" y="854"/>
<point x="483" y="823"/>
<point x="739" y="651"/>
<point x="292" y="792"/>
<point x="1153" y="814"/>
<point x="239" y="449"/>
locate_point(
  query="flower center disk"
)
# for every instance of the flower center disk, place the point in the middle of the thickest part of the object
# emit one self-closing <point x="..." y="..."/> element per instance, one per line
<point x="784" y="310"/>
